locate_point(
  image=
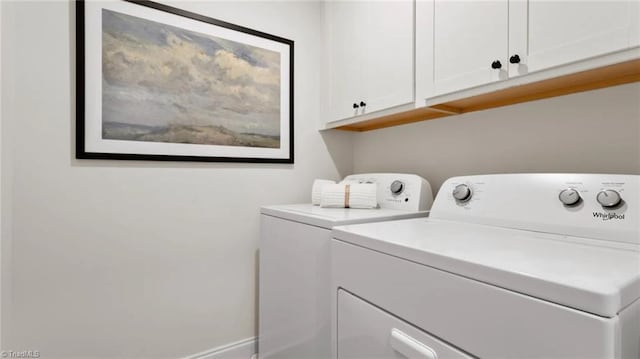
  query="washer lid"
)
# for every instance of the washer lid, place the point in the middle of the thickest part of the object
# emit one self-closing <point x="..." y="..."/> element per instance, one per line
<point x="595" y="276"/>
<point x="330" y="217"/>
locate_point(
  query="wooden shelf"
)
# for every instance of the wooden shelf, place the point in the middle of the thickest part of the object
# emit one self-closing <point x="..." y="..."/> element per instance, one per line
<point x="613" y="75"/>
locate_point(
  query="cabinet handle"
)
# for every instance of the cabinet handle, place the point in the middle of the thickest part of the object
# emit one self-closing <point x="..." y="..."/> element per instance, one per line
<point x="410" y="347"/>
<point x="355" y="105"/>
<point x="515" y="59"/>
<point x="496" y="65"/>
<point x="362" y="104"/>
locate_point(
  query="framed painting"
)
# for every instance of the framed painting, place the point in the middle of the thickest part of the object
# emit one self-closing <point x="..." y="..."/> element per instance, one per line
<point x="159" y="83"/>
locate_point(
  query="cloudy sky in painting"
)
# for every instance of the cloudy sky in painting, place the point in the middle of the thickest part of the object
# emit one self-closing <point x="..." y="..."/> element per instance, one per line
<point x="158" y="75"/>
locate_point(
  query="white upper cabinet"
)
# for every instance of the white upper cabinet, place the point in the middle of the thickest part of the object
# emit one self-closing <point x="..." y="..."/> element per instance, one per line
<point x="475" y="43"/>
<point x="544" y="33"/>
<point x="385" y="58"/>
<point x="470" y="43"/>
<point x="370" y="56"/>
<point x="389" y="55"/>
<point x="345" y="33"/>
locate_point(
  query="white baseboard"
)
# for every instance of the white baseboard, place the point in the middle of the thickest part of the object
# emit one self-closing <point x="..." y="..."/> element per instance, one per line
<point x="242" y="349"/>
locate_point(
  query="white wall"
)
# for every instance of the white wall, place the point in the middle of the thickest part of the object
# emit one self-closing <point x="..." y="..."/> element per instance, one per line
<point x="592" y="132"/>
<point x="1" y="249"/>
<point x="137" y="259"/>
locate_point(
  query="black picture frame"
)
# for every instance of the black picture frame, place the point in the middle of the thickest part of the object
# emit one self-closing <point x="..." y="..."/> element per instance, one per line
<point x="82" y="152"/>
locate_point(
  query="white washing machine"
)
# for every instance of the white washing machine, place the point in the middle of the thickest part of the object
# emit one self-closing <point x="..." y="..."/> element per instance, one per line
<point x="506" y="266"/>
<point x="295" y="265"/>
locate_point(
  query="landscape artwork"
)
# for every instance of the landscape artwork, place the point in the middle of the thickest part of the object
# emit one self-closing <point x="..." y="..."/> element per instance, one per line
<point x="161" y="83"/>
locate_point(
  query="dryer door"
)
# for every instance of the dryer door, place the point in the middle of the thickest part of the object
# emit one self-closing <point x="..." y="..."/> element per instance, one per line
<point x="365" y="331"/>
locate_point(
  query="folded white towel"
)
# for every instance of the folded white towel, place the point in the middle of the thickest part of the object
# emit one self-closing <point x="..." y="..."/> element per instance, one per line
<point x="316" y="190"/>
<point x="349" y="195"/>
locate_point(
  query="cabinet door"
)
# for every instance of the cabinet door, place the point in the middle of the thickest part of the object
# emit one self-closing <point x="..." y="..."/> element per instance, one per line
<point x="468" y="37"/>
<point x="344" y="21"/>
<point x="553" y="33"/>
<point x="388" y="63"/>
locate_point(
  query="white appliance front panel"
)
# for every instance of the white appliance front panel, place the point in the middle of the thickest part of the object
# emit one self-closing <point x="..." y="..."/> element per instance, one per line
<point x="294" y="293"/>
<point x="531" y="202"/>
<point x="477" y="318"/>
<point x="365" y="331"/>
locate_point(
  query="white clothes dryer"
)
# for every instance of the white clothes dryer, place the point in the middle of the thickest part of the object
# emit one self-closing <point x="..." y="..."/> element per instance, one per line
<point x="295" y="263"/>
<point x="506" y="266"/>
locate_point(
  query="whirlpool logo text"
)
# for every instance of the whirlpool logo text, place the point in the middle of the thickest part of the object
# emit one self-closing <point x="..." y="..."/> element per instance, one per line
<point x="607" y="216"/>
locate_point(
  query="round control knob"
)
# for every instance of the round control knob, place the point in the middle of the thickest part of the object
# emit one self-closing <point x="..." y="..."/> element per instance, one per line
<point x="569" y="197"/>
<point x="462" y="193"/>
<point x="397" y="187"/>
<point x="609" y="198"/>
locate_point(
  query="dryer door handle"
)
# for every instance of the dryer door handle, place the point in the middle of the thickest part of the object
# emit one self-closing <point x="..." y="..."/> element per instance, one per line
<point x="410" y="347"/>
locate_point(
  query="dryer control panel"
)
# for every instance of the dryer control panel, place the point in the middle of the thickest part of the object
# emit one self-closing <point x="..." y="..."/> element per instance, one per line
<point x="398" y="190"/>
<point x="585" y="205"/>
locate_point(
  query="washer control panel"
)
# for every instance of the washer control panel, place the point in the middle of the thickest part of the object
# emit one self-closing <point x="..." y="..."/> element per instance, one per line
<point x="585" y="205"/>
<point x="398" y="190"/>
